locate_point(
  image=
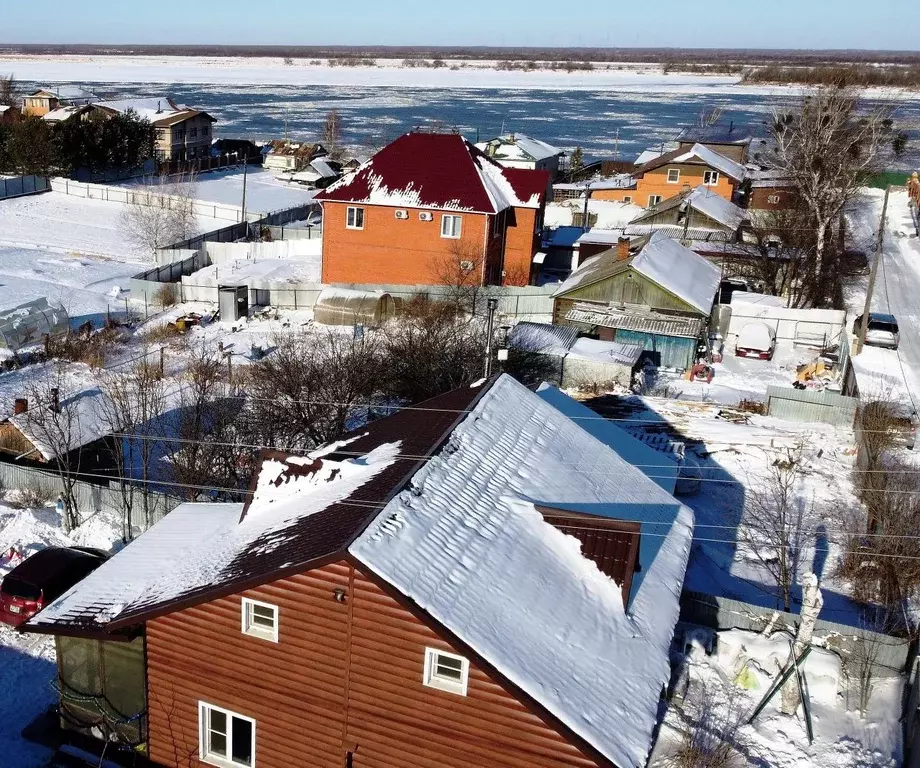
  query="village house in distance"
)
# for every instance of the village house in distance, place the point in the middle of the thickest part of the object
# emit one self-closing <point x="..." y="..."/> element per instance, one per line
<point x="430" y="205"/>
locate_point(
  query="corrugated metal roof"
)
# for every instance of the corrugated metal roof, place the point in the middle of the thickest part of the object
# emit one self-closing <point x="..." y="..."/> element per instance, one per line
<point x="542" y="337"/>
<point x="636" y="320"/>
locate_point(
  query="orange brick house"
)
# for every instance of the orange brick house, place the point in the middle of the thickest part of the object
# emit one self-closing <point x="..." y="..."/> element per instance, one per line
<point x="426" y="206"/>
<point x="670" y="174"/>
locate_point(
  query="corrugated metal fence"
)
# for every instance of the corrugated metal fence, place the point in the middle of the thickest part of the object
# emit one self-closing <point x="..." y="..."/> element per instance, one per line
<point x="23" y="185"/>
<point x="807" y="406"/>
<point x="724" y="613"/>
<point x="91" y="498"/>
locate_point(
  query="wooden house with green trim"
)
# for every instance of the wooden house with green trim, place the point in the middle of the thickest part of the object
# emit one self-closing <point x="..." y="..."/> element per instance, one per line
<point x="651" y="291"/>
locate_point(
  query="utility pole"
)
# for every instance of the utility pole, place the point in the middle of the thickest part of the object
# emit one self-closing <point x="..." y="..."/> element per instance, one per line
<point x="493" y="305"/>
<point x="245" y="171"/>
<point x="864" y="325"/>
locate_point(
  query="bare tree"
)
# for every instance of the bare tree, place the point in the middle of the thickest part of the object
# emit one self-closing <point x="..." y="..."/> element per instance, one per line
<point x="54" y="421"/>
<point x="332" y="134"/>
<point x="208" y="425"/>
<point x="460" y="271"/>
<point x="9" y="92"/>
<point x="161" y="212"/>
<point x="133" y="409"/>
<point x="774" y="529"/>
<point x="708" y="731"/>
<point x="812" y="602"/>
<point x="313" y="387"/>
<point x="709" y="116"/>
<point x="435" y="347"/>
<point x="829" y="145"/>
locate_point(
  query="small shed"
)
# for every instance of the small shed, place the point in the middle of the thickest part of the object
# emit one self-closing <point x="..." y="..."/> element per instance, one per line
<point x="29" y="323"/>
<point x="233" y="302"/>
<point x="345" y="306"/>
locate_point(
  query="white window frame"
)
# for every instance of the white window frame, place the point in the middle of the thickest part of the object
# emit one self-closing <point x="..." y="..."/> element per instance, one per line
<point x="432" y="679"/>
<point x="453" y="218"/>
<point x="653" y="200"/>
<point x="252" y="629"/>
<point x="713" y="177"/>
<point x="627" y="198"/>
<point x="676" y="179"/>
<point x="204" y="730"/>
<point x="351" y="214"/>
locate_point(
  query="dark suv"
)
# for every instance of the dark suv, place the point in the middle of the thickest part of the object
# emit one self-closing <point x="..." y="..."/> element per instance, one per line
<point x="42" y="578"/>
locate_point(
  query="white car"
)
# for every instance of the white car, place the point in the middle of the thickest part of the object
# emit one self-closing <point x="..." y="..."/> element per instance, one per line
<point x="757" y="340"/>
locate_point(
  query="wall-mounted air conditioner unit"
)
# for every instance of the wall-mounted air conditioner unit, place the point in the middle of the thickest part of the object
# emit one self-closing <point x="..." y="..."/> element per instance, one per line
<point x="401" y="214"/>
<point x="466" y="266"/>
<point x="425" y="216"/>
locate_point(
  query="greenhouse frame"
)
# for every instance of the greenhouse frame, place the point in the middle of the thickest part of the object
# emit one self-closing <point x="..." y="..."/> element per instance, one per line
<point x="29" y="323"/>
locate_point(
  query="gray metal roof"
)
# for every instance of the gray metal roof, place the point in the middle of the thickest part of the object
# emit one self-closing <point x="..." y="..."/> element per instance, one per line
<point x="641" y="320"/>
<point x="542" y="337"/>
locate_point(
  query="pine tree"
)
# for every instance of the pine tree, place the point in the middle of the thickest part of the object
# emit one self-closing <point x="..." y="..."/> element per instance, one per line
<point x="577" y="161"/>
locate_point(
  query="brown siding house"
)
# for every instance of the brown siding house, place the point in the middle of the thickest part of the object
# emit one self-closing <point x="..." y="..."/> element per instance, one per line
<point x="352" y="615"/>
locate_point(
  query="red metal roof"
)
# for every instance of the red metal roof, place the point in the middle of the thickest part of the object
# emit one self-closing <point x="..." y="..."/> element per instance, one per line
<point x="528" y="183"/>
<point x="437" y="170"/>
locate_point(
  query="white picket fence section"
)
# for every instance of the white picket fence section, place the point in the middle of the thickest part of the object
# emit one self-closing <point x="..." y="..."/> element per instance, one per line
<point x="143" y="196"/>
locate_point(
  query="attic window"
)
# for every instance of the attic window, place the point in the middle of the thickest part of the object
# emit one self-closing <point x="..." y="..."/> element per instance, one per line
<point x="673" y="175"/>
<point x="446" y="671"/>
<point x="260" y="619"/>
<point x="710" y="178"/>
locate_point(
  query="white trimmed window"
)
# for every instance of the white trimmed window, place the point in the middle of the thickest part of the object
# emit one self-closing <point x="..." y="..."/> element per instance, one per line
<point x="354" y="219"/>
<point x="673" y="175"/>
<point x="451" y="226"/>
<point x="627" y="199"/>
<point x="710" y="178"/>
<point x="225" y="738"/>
<point x="260" y="619"/>
<point x="653" y="200"/>
<point x="446" y="671"/>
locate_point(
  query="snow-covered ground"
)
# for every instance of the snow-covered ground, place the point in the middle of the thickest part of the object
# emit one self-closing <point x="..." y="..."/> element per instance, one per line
<point x="735" y="458"/>
<point x="27" y="662"/>
<point x="736" y="677"/>
<point x="71" y="250"/>
<point x="264" y="191"/>
<point x="388" y="72"/>
<point x="884" y="372"/>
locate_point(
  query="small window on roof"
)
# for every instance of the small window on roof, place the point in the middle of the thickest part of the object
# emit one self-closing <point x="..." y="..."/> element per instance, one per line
<point x="260" y="619"/>
<point x="673" y="175"/>
<point x="446" y="671"/>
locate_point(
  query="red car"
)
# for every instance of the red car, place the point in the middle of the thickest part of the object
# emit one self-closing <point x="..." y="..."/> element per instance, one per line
<point x="42" y="578"/>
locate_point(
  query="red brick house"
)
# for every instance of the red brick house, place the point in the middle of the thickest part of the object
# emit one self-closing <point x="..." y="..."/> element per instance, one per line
<point x="409" y="597"/>
<point x="430" y="204"/>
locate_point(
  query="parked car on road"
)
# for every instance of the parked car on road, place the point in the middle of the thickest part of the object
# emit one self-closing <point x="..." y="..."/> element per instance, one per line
<point x="757" y="340"/>
<point x="42" y="578"/>
<point x="882" y="330"/>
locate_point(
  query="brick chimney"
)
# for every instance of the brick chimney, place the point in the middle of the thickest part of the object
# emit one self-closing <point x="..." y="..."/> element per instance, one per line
<point x="623" y="249"/>
<point x="20" y="405"/>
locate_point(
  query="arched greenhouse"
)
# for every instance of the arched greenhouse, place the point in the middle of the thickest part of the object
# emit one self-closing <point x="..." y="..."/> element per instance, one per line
<point x="30" y="322"/>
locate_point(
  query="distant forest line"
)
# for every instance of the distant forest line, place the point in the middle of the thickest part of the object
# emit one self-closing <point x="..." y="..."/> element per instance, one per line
<point x="673" y="57"/>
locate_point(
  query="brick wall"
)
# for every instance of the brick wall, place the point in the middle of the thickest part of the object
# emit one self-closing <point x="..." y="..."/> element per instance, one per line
<point x="656" y="183"/>
<point x="397" y="251"/>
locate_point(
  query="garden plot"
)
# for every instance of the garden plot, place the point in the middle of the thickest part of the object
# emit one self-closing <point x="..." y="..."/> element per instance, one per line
<point x="68" y="249"/>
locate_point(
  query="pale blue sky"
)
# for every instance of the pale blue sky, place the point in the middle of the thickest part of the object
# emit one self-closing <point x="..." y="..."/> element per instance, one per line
<point x="886" y="24"/>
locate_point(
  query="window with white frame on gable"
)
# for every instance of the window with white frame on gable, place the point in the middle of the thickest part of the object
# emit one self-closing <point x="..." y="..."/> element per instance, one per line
<point x="260" y="619"/>
<point x="710" y="178"/>
<point x="446" y="671"/>
<point x="673" y="175"/>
